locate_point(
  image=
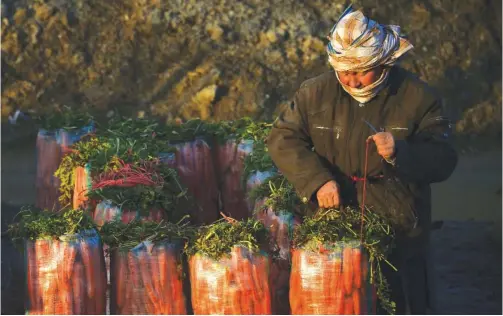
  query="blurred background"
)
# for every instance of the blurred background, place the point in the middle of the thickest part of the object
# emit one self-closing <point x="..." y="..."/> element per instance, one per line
<point x="227" y="59"/>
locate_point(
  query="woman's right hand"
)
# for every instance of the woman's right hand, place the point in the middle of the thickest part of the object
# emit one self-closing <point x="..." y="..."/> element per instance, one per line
<point x="328" y="195"/>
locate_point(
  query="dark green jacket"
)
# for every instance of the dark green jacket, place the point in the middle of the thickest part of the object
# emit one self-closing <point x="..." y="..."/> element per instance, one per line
<point x="321" y="136"/>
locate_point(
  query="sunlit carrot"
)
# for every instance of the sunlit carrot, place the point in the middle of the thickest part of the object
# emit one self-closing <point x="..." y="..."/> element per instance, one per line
<point x="347" y="269"/>
<point x="357" y="267"/>
<point x="79" y="291"/>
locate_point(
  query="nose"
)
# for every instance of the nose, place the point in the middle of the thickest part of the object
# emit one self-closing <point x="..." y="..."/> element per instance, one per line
<point x="354" y="83"/>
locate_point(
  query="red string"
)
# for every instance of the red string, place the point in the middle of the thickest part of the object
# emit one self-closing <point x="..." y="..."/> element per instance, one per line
<point x="364" y="194"/>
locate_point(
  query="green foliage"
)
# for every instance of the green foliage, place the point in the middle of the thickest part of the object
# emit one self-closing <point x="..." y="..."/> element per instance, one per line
<point x="66" y="118"/>
<point x="218" y="239"/>
<point x="279" y="195"/>
<point x="121" y="236"/>
<point x="38" y="224"/>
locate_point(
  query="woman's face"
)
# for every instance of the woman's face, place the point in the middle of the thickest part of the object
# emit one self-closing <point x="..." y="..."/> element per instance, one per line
<point x="360" y="80"/>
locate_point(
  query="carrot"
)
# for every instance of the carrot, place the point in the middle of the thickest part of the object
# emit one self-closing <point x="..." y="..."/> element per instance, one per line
<point x="347" y="269"/>
<point x="348" y="306"/>
<point x="162" y="263"/>
<point x="87" y="261"/>
<point x="78" y="287"/>
<point x="365" y="267"/>
<point x="99" y="275"/>
<point x="295" y="294"/>
<point x="151" y="298"/>
<point x="45" y="268"/>
<point x="357" y="301"/>
<point x="119" y="268"/>
<point x="264" y="267"/>
<point x="35" y="299"/>
<point x="357" y="267"/>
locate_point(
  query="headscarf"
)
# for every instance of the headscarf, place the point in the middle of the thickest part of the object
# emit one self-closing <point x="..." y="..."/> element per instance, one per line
<point x="357" y="43"/>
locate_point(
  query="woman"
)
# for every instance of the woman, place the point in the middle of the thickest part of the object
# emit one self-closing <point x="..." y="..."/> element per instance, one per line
<point x="319" y="143"/>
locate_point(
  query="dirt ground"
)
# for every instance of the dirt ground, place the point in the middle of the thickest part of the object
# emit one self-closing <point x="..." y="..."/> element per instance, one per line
<point x="466" y="250"/>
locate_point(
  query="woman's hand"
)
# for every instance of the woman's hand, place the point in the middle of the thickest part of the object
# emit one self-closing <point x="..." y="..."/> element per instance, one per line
<point x="328" y="195"/>
<point x="385" y="144"/>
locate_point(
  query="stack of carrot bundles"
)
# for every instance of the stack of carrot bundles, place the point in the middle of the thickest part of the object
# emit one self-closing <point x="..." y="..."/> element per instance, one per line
<point x="275" y="205"/>
<point x="65" y="270"/>
<point x="58" y="131"/>
<point x="336" y="263"/>
<point x="229" y="269"/>
<point x="146" y="267"/>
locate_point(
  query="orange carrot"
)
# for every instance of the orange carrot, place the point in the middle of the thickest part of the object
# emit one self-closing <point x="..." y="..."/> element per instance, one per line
<point x="357" y="267"/>
<point x="347" y="269"/>
<point x="357" y="301"/>
<point x="348" y="306"/>
<point x="99" y="277"/>
<point x="339" y="300"/>
<point x="79" y="290"/>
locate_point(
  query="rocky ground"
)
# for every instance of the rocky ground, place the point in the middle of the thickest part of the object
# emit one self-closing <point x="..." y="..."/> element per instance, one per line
<point x="221" y="59"/>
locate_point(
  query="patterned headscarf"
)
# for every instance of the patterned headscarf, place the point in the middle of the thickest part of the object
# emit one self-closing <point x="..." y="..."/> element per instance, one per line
<point x="357" y="43"/>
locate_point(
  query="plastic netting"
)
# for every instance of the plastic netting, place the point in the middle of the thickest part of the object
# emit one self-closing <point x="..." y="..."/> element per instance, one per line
<point x="147" y="280"/>
<point x="333" y="281"/>
<point x="66" y="276"/>
<point x="280" y="229"/>
<point x="48" y="159"/>
<point x="51" y="146"/>
<point x="82" y="185"/>
<point x="230" y="168"/>
<point x="238" y="285"/>
<point x="194" y="164"/>
<point x="106" y="211"/>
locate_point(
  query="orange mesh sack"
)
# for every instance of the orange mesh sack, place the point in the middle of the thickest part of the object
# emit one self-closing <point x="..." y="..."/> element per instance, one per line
<point x="230" y="168"/>
<point x="48" y="159"/>
<point x="280" y="229"/>
<point x="194" y="164"/>
<point x="66" y="276"/>
<point x="332" y="281"/>
<point x="147" y="280"/>
<point x="238" y="285"/>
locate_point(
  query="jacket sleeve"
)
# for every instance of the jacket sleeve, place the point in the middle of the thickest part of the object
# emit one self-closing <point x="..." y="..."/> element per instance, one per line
<point x="427" y="156"/>
<point x="289" y="145"/>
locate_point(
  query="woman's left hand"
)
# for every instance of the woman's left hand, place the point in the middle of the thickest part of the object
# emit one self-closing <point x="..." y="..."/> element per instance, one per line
<point x="385" y="144"/>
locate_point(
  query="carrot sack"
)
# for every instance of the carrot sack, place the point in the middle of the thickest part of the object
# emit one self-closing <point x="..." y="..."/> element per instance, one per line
<point x="65" y="268"/>
<point x="230" y="169"/>
<point x="229" y="273"/>
<point x="146" y="269"/>
<point x="51" y="146"/>
<point x="336" y="263"/>
<point x="194" y="164"/>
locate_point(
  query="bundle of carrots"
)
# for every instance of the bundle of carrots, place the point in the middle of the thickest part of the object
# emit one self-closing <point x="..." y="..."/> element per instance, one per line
<point x="230" y="168"/>
<point x="48" y="158"/>
<point x="65" y="269"/>
<point x="273" y="202"/>
<point x="231" y="286"/>
<point x="146" y="273"/>
<point x="334" y="281"/>
<point x="194" y="164"/>
<point x="229" y="274"/>
<point x="336" y="263"/>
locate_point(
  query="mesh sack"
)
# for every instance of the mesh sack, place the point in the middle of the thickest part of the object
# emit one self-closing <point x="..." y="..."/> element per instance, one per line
<point x="51" y="145"/>
<point x="106" y="211"/>
<point x="230" y="169"/>
<point x="147" y="280"/>
<point x="280" y="229"/>
<point x="333" y="281"/>
<point x="238" y="285"/>
<point x="194" y="164"/>
<point x="48" y="159"/>
<point x="66" y="276"/>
